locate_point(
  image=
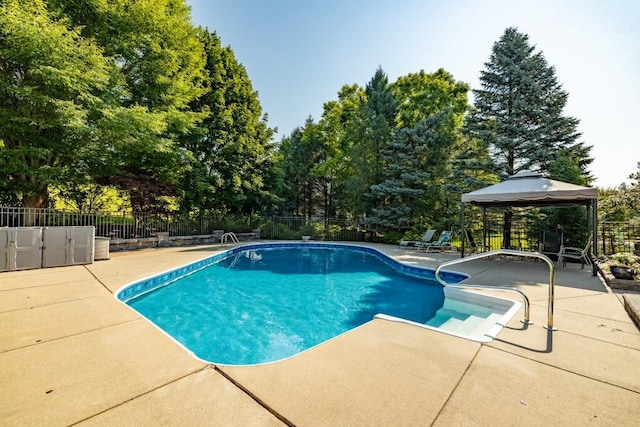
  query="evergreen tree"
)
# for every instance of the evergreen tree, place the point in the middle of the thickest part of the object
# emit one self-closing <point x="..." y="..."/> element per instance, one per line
<point x="379" y="115"/>
<point x="519" y="113"/>
<point x="421" y="96"/>
<point x="414" y="158"/>
<point x="300" y="153"/>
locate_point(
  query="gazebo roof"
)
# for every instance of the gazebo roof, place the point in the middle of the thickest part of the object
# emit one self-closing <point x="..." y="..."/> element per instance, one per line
<point x="528" y="188"/>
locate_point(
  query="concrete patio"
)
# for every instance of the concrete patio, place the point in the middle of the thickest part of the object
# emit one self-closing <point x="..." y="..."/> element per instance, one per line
<point x="71" y="354"/>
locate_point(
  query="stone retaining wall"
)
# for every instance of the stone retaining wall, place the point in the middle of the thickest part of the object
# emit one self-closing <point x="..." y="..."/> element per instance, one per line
<point x="621" y="284"/>
<point x="164" y="240"/>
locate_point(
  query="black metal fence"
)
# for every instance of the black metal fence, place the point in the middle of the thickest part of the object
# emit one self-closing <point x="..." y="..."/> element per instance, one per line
<point x="294" y="227"/>
<point x="132" y="225"/>
<point x="612" y="237"/>
<point x="125" y="225"/>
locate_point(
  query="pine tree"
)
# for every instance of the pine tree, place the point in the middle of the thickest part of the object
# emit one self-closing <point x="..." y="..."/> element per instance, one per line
<point x="414" y="158"/>
<point x="519" y="113"/>
<point x="379" y="115"/>
<point x="519" y="110"/>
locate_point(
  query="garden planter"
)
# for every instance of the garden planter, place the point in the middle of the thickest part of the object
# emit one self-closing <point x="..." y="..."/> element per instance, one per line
<point x="622" y="272"/>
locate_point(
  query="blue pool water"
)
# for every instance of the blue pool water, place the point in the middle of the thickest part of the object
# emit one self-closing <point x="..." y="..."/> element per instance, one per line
<point x="267" y="303"/>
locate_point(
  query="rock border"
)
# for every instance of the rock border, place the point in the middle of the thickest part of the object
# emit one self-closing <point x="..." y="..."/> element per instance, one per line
<point x="620" y="284"/>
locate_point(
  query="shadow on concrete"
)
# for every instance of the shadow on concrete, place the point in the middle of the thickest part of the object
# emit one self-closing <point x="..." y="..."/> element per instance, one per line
<point x="547" y="349"/>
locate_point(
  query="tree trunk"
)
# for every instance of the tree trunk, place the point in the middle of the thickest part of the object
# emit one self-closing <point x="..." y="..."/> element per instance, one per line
<point x="34" y="215"/>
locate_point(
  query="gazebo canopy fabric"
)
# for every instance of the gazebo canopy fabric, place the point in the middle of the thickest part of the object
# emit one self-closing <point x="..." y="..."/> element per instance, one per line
<point x="527" y="188"/>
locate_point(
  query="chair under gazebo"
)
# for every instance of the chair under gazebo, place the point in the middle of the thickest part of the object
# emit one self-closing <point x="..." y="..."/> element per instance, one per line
<point x="530" y="189"/>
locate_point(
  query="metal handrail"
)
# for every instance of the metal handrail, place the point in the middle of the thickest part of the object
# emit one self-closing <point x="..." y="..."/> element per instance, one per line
<point x="230" y="235"/>
<point x="552" y="273"/>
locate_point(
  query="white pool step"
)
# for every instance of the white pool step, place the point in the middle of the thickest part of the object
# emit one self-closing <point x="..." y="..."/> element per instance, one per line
<point x="471" y="326"/>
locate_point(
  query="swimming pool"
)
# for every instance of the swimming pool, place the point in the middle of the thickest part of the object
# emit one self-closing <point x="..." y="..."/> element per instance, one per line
<point x="266" y="302"/>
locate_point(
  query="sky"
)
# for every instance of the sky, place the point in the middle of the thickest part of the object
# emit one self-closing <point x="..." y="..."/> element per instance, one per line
<point x="299" y="53"/>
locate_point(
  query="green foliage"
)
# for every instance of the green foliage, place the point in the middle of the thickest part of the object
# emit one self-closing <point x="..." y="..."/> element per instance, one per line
<point x="519" y="110"/>
<point x="343" y="126"/>
<point x="422" y="95"/>
<point x="379" y="114"/>
<point x="392" y="237"/>
<point x="415" y="160"/>
<point x="518" y="115"/>
<point x="51" y="81"/>
<point x="230" y="150"/>
<point x="277" y="231"/>
<point x="96" y="92"/>
<point x="627" y="259"/>
<point x="621" y="203"/>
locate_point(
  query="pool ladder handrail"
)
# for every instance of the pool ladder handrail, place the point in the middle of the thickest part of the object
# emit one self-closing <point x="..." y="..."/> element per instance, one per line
<point x="552" y="272"/>
<point x="229" y="236"/>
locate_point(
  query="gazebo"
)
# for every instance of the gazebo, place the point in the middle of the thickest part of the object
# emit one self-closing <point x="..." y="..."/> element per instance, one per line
<point x="530" y="189"/>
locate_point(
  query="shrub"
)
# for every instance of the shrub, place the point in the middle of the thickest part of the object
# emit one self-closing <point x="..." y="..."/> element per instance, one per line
<point x="625" y="258"/>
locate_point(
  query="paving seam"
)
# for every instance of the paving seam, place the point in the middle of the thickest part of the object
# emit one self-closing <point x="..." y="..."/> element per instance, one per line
<point x="141" y="394"/>
<point x="66" y="282"/>
<point x="48" y="305"/>
<point x="594" y="317"/>
<point x="96" y="277"/>
<point x="69" y="336"/>
<point x="254" y="397"/>
<point x="457" y="385"/>
<point x="564" y="369"/>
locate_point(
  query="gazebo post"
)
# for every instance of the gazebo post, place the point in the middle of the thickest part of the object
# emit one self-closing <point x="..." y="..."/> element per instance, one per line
<point x="485" y="243"/>
<point x="594" y="227"/>
<point x="463" y="234"/>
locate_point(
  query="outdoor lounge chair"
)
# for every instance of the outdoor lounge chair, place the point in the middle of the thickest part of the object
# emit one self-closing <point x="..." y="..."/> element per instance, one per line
<point x="473" y="245"/>
<point x="551" y="243"/>
<point x="581" y="254"/>
<point x="443" y="243"/>
<point x="426" y="239"/>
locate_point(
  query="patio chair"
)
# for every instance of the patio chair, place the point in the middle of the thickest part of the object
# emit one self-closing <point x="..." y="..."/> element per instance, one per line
<point x="426" y="239"/>
<point x="475" y="247"/>
<point x="581" y="254"/>
<point x="551" y="243"/>
<point x="443" y="243"/>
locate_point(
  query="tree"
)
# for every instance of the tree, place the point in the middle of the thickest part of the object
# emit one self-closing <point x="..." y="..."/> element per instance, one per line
<point x="231" y="148"/>
<point x="159" y="69"/>
<point x="519" y="113"/>
<point x="51" y="85"/>
<point x="301" y="153"/>
<point x="343" y="126"/>
<point x="414" y="157"/>
<point x="621" y="203"/>
<point x="378" y="121"/>
<point x="421" y="95"/>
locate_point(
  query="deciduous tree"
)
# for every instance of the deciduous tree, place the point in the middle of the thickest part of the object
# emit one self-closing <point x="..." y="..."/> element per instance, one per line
<point x="52" y="81"/>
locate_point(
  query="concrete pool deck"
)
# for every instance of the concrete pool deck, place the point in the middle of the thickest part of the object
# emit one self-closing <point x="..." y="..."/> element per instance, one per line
<point x="70" y="354"/>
